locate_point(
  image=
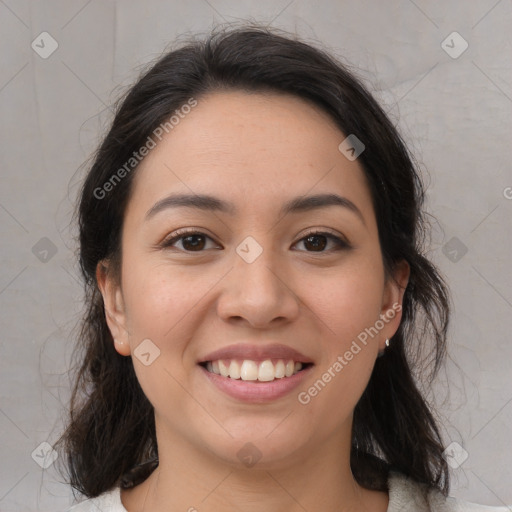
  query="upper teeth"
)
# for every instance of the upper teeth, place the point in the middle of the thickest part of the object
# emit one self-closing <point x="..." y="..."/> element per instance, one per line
<point x="251" y="370"/>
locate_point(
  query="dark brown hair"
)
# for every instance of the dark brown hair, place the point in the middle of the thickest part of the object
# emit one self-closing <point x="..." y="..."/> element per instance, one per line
<point x="111" y="430"/>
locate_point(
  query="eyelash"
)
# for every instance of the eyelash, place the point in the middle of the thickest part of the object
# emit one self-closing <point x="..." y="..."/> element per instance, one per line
<point x="180" y="234"/>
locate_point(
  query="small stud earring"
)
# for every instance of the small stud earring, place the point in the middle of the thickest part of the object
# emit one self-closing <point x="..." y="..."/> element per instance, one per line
<point x="381" y="352"/>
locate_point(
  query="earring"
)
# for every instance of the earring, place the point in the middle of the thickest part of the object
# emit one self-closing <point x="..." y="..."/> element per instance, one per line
<point x="381" y="352"/>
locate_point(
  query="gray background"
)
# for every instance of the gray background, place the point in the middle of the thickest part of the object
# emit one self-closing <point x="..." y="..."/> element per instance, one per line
<point x="454" y="112"/>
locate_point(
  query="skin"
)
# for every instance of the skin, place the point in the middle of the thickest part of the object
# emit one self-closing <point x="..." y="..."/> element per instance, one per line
<point x="257" y="151"/>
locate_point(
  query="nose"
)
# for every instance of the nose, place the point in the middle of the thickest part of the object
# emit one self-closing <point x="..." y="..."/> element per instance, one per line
<point x="259" y="293"/>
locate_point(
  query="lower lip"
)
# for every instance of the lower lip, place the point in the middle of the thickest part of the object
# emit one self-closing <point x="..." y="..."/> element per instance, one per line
<point x="254" y="391"/>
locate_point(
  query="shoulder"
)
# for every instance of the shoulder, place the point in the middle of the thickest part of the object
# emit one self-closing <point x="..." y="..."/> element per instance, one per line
<point x="109" y="501"/>
<point x="406" y="495"/>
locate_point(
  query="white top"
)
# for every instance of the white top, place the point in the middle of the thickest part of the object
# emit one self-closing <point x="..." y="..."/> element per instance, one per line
<point x="405" y="495"/>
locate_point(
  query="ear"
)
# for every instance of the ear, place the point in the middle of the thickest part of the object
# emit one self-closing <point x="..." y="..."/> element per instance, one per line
<point x="115" y="313"/>
<point x="391" y="312"/>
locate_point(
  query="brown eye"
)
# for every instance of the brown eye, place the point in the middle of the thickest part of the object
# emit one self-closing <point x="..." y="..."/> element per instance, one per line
<point x="317" y="242"/>
<point x="191" y="241"/>
<point x="195" y="241"/>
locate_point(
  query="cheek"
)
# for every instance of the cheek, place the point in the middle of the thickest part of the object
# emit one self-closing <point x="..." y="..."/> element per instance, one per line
<point x="348" y="305"/>
<point x="160" y="306"/>
<point x="157" y="297"/>
<point x="347" y="299"/>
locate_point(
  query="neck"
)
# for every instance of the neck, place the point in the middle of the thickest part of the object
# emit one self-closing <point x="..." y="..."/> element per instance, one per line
<point x="190" y="480"/>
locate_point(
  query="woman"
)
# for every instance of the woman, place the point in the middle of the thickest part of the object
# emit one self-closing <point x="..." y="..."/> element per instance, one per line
<point x="251" y="241"/>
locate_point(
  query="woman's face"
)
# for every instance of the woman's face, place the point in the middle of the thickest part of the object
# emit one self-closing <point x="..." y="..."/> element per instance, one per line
<point x="250" y="278"/>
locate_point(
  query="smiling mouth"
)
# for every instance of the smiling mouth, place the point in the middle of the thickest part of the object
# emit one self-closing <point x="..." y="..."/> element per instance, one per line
<point x="267" y="370"/>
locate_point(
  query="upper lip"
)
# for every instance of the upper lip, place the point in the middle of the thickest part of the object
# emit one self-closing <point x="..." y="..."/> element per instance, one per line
<point x="256" y="352"/>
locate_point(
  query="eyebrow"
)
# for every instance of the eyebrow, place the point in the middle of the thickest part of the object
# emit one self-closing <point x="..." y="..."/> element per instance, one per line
<point x="213" y="204"/>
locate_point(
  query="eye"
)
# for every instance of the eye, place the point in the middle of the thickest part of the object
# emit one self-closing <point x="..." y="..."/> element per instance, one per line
<point x="318" y="240"/>
<point x="195" y="241"/>
<point x="191" y="241"/>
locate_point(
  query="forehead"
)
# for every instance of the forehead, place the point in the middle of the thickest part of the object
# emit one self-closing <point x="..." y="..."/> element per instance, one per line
<point x="255" y="150"/>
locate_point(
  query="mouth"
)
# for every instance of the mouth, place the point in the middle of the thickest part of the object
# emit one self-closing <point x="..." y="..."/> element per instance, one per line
<point x="256" y="371"/>
<point x="256" y="381"/>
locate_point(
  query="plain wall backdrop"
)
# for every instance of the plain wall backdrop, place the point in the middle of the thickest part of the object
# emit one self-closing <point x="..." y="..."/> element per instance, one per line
<point x="453" y="105"/>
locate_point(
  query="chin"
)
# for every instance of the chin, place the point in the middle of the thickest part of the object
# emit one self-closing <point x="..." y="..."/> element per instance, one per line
<point x="259" y="446"/>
